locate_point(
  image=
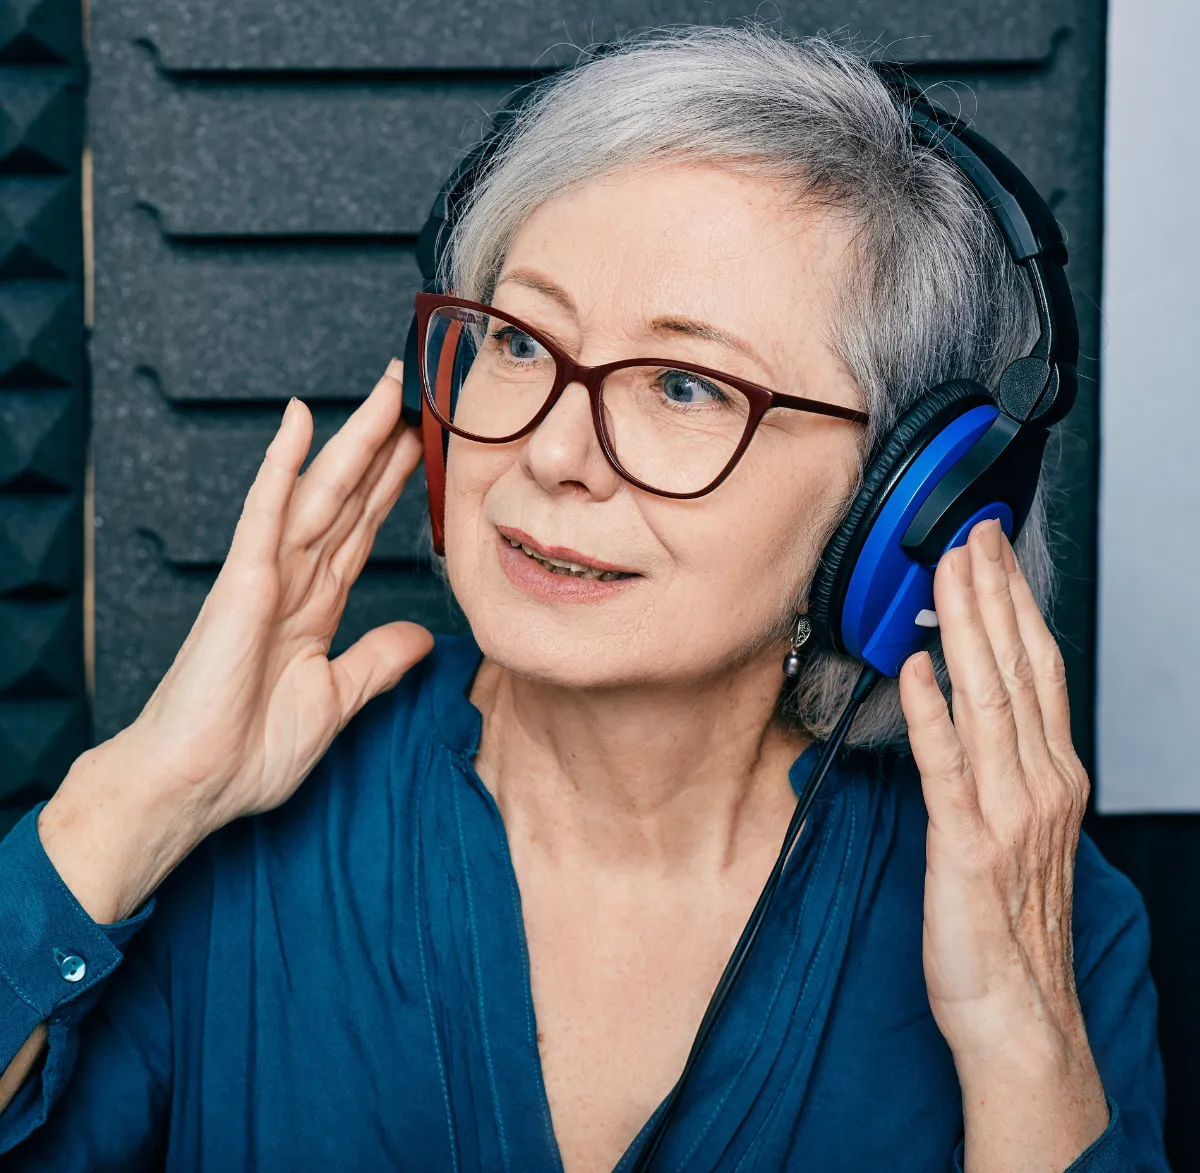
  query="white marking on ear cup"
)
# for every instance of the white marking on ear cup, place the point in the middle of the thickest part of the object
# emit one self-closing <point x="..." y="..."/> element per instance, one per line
<point x="926" y="618"/>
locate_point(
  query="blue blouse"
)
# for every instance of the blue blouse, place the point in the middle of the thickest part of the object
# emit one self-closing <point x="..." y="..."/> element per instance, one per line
<point x="344" y="984"/>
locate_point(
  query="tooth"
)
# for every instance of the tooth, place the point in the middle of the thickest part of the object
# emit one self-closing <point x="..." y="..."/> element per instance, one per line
<point x="574" y="569"/>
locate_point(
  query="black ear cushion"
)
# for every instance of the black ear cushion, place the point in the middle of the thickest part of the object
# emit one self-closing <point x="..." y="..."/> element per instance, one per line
<point x="913" y="431"/>
<point x="411" y="401"/>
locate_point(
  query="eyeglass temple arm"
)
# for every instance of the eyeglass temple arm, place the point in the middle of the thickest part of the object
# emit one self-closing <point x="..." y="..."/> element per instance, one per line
<point x="820" y="408"/>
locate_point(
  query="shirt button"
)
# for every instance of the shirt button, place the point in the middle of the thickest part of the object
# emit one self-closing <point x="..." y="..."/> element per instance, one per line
<point x="71" y="966"/>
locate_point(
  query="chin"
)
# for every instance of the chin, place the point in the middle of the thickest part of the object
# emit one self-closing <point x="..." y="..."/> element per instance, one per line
<point x="557" y="649"/>
<point x="598" y="653"/>
<point x="552" y="628"/>
<point x="632" y="633"/>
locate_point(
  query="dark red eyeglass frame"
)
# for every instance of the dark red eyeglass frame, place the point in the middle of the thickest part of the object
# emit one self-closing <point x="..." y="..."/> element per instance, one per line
<point x="568" y="371"/>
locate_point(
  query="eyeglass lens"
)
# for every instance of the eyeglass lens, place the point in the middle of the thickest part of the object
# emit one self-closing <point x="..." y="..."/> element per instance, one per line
<point x="669" y="427"/>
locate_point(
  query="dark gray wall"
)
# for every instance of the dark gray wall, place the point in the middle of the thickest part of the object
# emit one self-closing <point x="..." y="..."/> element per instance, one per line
<point x="261" y="171"/>
<point x="43" y="413"/>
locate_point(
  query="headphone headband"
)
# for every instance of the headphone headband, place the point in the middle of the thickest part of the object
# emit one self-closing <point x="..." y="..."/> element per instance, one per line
<point x="1033" y="392"/>
<point x="1023" y="217"/>
<point x="1042" y="391"/>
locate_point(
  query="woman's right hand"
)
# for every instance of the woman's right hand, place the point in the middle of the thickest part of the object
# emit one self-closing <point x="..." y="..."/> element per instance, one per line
<point x="252" y="700"/>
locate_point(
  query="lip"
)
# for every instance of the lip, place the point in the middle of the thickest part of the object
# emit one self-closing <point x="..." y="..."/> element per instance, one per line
<point x="534" y="579"/>
<point x="562" y="553"/>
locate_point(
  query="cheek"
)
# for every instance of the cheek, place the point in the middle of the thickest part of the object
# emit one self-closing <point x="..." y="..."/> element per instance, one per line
<point x="766" y="533"/>
<point x="743" y="558"/>
<point x="758" y="562"/>
<point x="471" y="472"/>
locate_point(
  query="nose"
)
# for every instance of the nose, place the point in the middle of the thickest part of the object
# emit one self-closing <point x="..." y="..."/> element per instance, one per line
<point x="563" y="453"/>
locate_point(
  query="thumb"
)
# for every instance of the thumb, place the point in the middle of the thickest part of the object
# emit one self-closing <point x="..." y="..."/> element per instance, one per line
<point x="376" y="662"/>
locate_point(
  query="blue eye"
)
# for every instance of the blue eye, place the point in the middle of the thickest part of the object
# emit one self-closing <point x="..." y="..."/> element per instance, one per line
<point x="517" y="344"/>
<point x="684" y="388"/>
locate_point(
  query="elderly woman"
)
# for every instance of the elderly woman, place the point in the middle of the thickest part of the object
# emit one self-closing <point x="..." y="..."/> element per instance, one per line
<point x="483" y="933"/>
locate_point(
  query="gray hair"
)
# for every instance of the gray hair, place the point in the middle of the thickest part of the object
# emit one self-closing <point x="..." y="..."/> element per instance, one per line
<point x="932" y="293"/>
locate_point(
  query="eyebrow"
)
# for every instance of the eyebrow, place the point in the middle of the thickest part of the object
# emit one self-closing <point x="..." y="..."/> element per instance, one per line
<point x="540" y="284"/>
<point x="694" y="329"/>
<point x="666" y="325"/>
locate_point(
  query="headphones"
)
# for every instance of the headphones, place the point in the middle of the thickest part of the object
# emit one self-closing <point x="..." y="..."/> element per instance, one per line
<point x="959" y="455"/>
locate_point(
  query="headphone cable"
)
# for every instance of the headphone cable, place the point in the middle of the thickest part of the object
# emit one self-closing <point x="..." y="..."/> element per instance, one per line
<point x="867" y="679"/>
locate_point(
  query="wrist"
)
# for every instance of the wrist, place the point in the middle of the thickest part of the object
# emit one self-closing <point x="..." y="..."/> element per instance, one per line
<point x="1037" y="1098"/>
<point x="1036" y="1055"/>
<point x="114" y="830"/>
<point x="1031" y="1024"/>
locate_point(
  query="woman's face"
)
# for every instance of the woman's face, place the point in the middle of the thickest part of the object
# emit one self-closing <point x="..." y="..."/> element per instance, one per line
<point x="697" y="265"/>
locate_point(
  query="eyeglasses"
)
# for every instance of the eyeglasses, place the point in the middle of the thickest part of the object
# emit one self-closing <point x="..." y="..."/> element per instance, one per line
<point x="670" y="428"/>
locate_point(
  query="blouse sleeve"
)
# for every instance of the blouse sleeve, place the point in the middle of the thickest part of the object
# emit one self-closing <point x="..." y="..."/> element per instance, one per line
<point x="54" y="963"/>
<point x="1108" y="1153"/>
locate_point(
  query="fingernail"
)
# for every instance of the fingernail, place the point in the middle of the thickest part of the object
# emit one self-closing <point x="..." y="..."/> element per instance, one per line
<point x="1010" y="559"/>
<point x="288" y="411"/>
<point x="990" y="536"/>
<point x="923" y="667"/>
<point x="962" y="564"/>
<point x="395" y="370"/>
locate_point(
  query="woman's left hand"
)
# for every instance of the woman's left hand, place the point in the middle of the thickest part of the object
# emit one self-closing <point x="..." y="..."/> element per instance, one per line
<point x="1006" y="794"/>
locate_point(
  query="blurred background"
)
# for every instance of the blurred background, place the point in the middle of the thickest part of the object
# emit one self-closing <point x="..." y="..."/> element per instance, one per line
<point x="207" y="206"/>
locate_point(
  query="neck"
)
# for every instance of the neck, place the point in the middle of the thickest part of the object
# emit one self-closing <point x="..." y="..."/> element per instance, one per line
<point x="653" y="777"/>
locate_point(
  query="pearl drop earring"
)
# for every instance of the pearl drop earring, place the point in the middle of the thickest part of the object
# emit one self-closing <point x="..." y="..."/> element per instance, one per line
<point x="800" y="634"/>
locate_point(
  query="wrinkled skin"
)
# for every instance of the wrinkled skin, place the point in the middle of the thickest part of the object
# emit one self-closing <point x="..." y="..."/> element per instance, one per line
<point x="630" y="740"/>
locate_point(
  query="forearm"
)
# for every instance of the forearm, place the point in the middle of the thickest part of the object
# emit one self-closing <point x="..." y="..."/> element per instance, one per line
<point x="23" y="1062"/>
<point x="1036" y="1107"/>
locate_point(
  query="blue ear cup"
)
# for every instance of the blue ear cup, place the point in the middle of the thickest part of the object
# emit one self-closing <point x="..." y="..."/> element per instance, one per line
<point x="870" y="598"/>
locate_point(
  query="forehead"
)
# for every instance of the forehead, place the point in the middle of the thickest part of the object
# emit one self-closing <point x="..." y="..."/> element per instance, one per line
<point x="693" y="239"/>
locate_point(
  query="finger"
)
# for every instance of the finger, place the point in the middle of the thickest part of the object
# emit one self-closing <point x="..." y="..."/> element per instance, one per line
<point x="1045" y="657"/>
<point x="350" y="514"/>
<point x="348" y="560"/>
<point x="395" y="476"/>
<point x="947" y="781"/>
<point x="982" y="709"/>
<point x="340" y="466"/>
<point x="259" y="530"/>
<point x="376" y="662"/>
<point x="994" y="599"/>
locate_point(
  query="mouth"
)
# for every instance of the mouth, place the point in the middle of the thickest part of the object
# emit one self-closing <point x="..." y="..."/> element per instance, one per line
<point x="562" y="561"/>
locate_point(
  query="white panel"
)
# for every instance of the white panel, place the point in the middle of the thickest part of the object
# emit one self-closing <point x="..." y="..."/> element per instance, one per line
<point x="1148" y="676"/>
